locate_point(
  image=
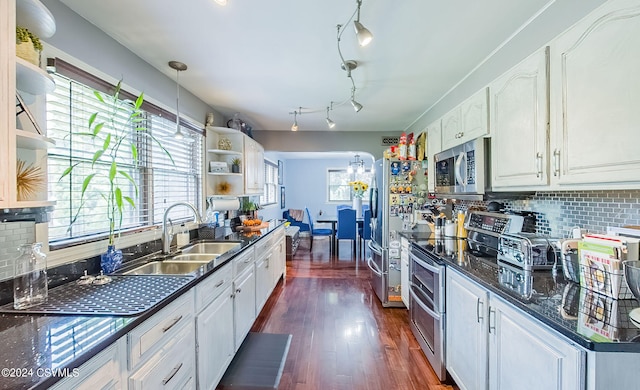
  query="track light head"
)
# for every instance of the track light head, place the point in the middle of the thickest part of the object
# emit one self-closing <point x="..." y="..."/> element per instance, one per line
<point x="364" y="35"/>
<point x="356" y="106"/>
<point x="331" y="123"/>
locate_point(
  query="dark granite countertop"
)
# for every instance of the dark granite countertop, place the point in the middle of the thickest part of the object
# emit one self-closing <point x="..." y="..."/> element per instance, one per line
<point x="591" y="320"/>
<point x="34" y="346"/>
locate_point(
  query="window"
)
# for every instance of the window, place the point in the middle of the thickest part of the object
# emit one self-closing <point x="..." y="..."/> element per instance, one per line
<point x="270" y="184"/>
<point x="160" y="181"/>
<point x="339" y="189"/>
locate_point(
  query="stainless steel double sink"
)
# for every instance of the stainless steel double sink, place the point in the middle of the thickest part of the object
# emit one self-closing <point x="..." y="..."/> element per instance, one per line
<point x="190" y="260"/>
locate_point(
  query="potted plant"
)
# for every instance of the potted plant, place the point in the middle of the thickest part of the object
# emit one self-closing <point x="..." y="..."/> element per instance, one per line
<point x="28" y="45"/>
<point x="111" y="136"/>
<point x="235" y="165"/>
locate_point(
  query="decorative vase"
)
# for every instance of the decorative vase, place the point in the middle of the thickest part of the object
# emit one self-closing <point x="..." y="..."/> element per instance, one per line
<point x="30" y="286"/>
<point x="357" y="206"/>
<point x="111" y="260"/>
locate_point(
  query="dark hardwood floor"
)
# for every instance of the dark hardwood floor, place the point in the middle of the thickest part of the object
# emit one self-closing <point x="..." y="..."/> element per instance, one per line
<point x="342" y="336"/>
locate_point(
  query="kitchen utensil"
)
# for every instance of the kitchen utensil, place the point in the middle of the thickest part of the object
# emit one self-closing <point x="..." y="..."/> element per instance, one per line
<point x="632" y="277"/>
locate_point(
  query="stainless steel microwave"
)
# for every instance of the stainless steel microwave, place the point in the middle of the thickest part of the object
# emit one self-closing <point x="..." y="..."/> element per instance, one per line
<point x="462" y="171"/>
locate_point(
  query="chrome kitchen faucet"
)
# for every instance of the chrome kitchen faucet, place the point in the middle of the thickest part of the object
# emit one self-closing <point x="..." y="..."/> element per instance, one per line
<point x="167" y="236"/>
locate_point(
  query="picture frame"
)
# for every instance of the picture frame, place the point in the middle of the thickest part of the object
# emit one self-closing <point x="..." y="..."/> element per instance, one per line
<point x="280" y="172"/>
<point x="282" y="199"/>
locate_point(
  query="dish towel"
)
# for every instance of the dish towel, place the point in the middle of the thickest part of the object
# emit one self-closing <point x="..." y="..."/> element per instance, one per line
<point x="297" y="215"/>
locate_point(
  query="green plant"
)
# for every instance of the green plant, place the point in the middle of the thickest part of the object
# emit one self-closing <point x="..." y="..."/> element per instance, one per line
<point x="248" y="205"/>
<point x="236" y="161"/>
<point x="112" y="137"/>
<point x="24" y="35"/>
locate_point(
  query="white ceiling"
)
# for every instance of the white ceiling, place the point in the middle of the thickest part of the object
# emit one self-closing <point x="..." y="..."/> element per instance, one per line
<point x="266" y="59"/>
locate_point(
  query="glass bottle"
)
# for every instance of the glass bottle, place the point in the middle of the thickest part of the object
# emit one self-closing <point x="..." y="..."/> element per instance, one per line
<point x="30" y="286"/>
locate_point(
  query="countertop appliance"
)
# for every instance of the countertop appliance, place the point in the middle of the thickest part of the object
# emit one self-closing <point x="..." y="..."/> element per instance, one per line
<point x="528" y="251"/>
<point x="462" y="171"/>
<point x="398" y="188"/>
<point x="485" y="228"/>
<point x="427" y="307"/>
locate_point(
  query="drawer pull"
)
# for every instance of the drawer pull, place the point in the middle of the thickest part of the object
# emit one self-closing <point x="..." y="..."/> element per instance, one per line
<point x="238" y="291"/>
<point x="172" y="374"/>
<point x="171" y="325"/>
<point x="247" y="260"/>
<point x="220" y="283"/>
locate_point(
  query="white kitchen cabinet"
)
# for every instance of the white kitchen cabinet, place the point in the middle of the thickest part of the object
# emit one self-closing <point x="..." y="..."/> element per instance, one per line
<point x="519" y="125"/>
<point x="492" y="345"/>
<point x="215" y="341"/>
<point x="279" y="268"/>
<point x="244" y="304"/>
<point x="524" y="355"/>
<point x="222" y="146"/>
<point x="105" y="371"/>
<point x="7" y="86"/>
<point x="466" y="332"/>
<point x="467" y="121"/>
<point x="264" y="279"/>
<point x="254" y="167"/>
<point x="171" y="367"/>
<point x="595" y="93"/>
<point x="434" y="145"/>
<point x="404" y="270"/>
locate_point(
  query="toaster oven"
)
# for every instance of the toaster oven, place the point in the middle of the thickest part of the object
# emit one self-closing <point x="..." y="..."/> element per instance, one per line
<point x="528" y="251"/>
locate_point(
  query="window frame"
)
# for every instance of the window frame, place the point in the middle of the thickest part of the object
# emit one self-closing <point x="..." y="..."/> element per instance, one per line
<point x="353" y="177"/>
<point x="191" y="172"/>
<point x="270" y="167"/>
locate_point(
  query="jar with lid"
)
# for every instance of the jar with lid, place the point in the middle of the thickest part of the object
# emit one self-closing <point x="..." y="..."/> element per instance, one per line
<point x="30" y="286"/>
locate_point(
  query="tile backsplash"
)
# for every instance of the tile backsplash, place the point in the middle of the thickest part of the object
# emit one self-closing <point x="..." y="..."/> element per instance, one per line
<point x="12" y="235"/>
<point x="558" y="212"/>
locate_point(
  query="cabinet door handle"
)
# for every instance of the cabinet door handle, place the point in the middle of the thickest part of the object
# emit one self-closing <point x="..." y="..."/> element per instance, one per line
<point x="478" y="304"/>
<point x="238" y="291"/>
<point x="172" y="324"/>
<point x="539" y="165"/>
<point x="556" y="162"/>
<point x="492" y="310"/>
<point x="220" y="283"/>
<point x="172" y="374"/>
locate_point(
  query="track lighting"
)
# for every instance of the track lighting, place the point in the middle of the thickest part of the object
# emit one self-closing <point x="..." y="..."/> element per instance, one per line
<point x="221" y="2"/>
<point x="179" y="67"/>
<point x="356" y="106"/>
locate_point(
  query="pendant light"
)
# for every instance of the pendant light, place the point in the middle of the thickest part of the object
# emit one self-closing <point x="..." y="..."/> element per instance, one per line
<point x="357" y="164"/>
<point x="179" y="67"/>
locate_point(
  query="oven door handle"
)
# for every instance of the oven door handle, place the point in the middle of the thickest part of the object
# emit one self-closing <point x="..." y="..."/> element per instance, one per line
<point x="421" y="304"/>
<point x="373" y="266"/>
<point x="422" y="263"/>
<point x="462" y="180"/>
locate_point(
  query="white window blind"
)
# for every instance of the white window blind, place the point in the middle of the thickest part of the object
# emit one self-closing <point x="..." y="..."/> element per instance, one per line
<point x="160" y="182"/>
<point x="270" y="184"/>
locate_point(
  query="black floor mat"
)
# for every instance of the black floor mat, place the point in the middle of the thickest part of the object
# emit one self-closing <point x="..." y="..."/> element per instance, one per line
<point x="259" y="362"/>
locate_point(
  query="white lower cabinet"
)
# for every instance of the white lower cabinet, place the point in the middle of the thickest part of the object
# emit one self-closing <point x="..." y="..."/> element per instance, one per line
<point x="105" y="371"/>
<point x="244" y="304"/>
<point x="214" y="327"/>
<point x="214" y="333"/>
<point x="524" y="355"/>
<point x="491" y="345"/>
<point x="264" y="279"/>
<point x="161" y="349"/>
<point x="466" y="332"/>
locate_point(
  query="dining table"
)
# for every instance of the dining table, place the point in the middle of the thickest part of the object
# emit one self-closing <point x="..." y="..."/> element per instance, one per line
<point x="333" y="220"/>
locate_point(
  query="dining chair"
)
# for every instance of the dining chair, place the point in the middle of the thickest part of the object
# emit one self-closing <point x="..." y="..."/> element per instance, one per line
<point x="365" y="207"/>
<point x="347" y="228"/>
<point x="364" y="231"/>
<point x="342" y="206"/>
<point x="317" y="232"/>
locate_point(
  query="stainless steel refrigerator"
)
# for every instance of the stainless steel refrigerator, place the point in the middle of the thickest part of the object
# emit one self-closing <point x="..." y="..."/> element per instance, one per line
<point x="398" y="188"/>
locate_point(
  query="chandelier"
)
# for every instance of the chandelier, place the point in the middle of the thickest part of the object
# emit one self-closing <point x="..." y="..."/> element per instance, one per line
<point x="356" y="165"/>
